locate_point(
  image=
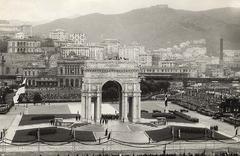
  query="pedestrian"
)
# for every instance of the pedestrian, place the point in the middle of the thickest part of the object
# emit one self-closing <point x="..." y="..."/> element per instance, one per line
<point x="106" y="132"/>
<point x="76" y="118"/>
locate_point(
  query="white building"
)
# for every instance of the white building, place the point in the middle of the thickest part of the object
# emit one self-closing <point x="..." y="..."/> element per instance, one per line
<point x="58" y="34"/>
<point x="111" y="48"/>
<point x="137" y="53"/>
<point x="19" y="35"/>
<point x="145" y="59"/>
<point x="78" y="38"/>
<point x="92" y="52"/>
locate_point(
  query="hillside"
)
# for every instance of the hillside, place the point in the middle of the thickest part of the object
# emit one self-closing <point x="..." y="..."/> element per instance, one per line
<point x="156" y="26"/>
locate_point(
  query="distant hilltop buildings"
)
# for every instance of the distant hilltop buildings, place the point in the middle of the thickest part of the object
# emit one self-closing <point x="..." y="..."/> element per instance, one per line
<point x="58" y="60"/>
<point x="15" y="31"/>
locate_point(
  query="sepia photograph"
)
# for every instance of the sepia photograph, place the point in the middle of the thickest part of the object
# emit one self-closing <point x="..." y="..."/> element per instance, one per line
<point x="119" y="78"/>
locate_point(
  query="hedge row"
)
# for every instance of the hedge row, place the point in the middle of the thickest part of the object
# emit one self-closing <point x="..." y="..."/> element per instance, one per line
<point x="43" y="131"/>
<point x="186" y="117"/>
<point x="166" y="115"/>
<point x="43" y="117"/>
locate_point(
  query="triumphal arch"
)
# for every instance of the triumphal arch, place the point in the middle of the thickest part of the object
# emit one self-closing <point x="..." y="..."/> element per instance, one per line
<point x="124" y="74"/>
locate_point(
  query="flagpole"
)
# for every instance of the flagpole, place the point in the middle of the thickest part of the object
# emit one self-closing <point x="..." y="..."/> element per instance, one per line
<point x="179" y="136"/>
<point x="173" y="139"/>
<point x="38" y="134"/>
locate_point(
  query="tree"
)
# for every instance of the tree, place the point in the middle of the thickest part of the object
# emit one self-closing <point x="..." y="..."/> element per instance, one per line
<point x="37" y="98"/>
<point x="3" y="45"/>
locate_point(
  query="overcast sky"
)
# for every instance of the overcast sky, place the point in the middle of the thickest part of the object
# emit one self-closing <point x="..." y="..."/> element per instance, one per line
<point x="40" y="10"/>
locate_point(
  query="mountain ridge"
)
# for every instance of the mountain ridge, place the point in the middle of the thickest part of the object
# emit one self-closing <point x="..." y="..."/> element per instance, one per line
<point x="155" y="27"/>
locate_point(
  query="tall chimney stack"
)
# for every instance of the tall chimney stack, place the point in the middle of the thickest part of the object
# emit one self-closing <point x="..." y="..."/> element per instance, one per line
<point x="221" y="52"/>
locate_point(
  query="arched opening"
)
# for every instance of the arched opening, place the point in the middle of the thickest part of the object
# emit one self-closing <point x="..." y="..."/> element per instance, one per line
<point x="112" y="99"/>
<point x="72" y="83"/>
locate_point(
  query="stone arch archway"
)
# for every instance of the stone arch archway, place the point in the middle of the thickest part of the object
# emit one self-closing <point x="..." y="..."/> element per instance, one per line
<point x="98" y="73"/>
<point x="115" y="94"/>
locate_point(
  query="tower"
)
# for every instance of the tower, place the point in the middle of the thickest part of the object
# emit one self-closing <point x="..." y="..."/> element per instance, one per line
<point x="221" y="52"/>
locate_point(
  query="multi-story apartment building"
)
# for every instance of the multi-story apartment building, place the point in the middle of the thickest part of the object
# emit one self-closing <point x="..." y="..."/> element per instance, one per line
<point x="78" y="38"/>
<point x="93" y="52"/>
<point x="58" y="34"/>
<point x="145" y="59"/>
<point x="24" y="46"/>
<point x="68" y="51"/>
<point x="137" y="53"/>
<point x="111" y="47"/>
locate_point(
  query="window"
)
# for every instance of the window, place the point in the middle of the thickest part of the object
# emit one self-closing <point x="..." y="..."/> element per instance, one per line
<point x="76" y="83"/>
<point x="61" y="71"/>
<point x="67" y="83"/>
<point x="7" y="70"/>
<point x="61" y="82"/>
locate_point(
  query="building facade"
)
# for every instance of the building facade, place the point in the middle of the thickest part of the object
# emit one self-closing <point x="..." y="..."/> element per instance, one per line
<point x="70" y="72"/>
<point x="92" y="52"/>
<point x="111" y="48"/>
<point x="78" y="38"/>
<point x="26" y="30"/>
<point x="58" y="34"/>
<point x="24" y="46"/>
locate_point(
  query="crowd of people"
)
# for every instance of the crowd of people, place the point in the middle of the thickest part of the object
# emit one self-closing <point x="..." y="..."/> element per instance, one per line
<point x="207" y="98"/>
<point x="54" y="94"/>
<point x="161" y="154"/>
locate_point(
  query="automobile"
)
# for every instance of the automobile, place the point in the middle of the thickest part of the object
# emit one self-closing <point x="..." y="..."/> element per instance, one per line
<point x="216" y="117"/>
<point x="183" y="110"/>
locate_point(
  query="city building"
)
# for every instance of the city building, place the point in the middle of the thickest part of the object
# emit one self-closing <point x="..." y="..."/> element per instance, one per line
<point x="111" y="48"/>
<point x="180" y="72"/>
<point x="68" y="51"/>
<point x="19" y="35"/>
<point x="145" y="59"/>
<point x="31" y="73"/>
<point x="231" y="59"/>
<point x="70" y="72"/>
<point x="136" y="52"/>
<point x="24" y="46"/>
<point x="93" y="52"/>
<point x="167" y="63"/>
<point x="7" y="29"/>
<point x="131" y="52"/>
<point x="96" y="52"/>
<point x="58" y="34"/>
<point x="78" y="38"/>
<point x="214" y="70"/>
<point x="26" y="30"/>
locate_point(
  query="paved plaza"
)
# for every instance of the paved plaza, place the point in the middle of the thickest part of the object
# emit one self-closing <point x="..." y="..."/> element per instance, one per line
<point x="125" y="132"/>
